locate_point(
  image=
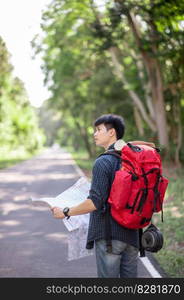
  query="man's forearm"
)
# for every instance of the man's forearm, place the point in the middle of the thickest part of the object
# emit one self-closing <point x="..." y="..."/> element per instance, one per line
<point x="85" y="207"/>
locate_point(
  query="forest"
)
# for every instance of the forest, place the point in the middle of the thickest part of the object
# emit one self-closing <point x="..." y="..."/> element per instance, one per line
<point x="19" y="124"/>
<point x="124" y="57"/>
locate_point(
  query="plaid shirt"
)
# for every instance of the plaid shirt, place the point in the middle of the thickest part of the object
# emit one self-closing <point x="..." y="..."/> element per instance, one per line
<point x="102" y="177"/>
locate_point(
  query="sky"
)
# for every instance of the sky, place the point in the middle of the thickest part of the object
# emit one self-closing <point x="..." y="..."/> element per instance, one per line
<point x="19" y="23"/>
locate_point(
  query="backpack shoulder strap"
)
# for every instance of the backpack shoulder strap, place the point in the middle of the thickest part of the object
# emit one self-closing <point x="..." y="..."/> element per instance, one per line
<point x="112" y="152"/>
<point x="107" y="210"/>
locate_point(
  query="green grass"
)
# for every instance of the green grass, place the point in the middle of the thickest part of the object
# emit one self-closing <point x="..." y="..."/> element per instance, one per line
<point x="83" y="161"/>
<point x="9" y="157"/>
<point x="171" y="256"/>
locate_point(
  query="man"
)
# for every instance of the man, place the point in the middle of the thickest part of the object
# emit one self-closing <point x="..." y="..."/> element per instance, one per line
<point x="121" y="261"/>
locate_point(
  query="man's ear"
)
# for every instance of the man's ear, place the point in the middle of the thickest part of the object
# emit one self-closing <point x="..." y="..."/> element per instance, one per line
<point x="112" y="132"/>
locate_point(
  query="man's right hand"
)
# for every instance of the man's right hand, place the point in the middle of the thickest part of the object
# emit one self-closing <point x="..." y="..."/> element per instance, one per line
<point x="57" y="213"/>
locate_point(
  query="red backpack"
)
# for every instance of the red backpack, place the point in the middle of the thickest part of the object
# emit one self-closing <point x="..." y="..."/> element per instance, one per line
<point x="139" y="187"/>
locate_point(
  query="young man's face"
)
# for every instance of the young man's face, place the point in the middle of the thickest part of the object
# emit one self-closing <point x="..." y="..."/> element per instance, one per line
<point x="104" y="137"/>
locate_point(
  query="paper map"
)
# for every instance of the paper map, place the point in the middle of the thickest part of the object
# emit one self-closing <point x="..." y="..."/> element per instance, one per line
<point x="76" y="225"/>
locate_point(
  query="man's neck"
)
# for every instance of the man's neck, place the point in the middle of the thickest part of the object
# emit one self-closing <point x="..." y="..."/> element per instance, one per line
<point x="111" y="143"/>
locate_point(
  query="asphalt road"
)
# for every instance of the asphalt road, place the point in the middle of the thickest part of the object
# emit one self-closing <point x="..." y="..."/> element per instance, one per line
<point x="32" y="242"/>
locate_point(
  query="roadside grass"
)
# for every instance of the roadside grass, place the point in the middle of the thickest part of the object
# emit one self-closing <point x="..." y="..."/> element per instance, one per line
<point x="171" y="256"/>
<point x="83" y="161"/>
<point x="9" y="157"/>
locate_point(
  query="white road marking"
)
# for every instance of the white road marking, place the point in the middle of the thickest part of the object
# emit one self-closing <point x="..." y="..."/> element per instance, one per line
<point x="150" y="268"/>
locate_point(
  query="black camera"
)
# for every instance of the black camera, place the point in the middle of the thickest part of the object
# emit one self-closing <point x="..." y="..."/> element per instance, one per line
<point x="152" y="239"/>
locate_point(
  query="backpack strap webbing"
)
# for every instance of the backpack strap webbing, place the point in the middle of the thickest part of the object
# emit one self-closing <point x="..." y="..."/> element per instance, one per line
<point x="141" y="249"/>
<point x="108" y="229"/>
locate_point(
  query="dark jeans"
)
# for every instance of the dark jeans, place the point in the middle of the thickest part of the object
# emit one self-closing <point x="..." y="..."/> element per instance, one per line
<point x="122" y="262"/>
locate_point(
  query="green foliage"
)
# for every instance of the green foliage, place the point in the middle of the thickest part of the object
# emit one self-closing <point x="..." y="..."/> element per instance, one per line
<point x="80" y="74"/>
<point x="18" y="120"/>
<point x="82" y="160"/>
<point x="80" y="78"/>
<point x="10" y="157"/>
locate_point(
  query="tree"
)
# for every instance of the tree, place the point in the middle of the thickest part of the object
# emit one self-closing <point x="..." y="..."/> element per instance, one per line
<point x="18" y="120"/>
<point x="127" y="38"/>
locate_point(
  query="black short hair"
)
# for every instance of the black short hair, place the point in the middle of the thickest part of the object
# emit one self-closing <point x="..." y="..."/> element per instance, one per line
<point x="112" y="121"/>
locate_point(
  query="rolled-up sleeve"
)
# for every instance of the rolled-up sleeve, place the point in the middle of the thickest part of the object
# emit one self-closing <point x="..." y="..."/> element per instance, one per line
<point x="101" y="182"/>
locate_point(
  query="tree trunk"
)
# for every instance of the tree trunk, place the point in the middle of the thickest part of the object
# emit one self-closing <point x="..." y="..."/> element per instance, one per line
<point x="138" y="122"/>
<point x="85" y="138"/>
<point x="156" y="82"/>
<point x="144" y="83"/>
<point x="158" y="100"/>
<point x="119" y="71"/>
<point x="136" y="100"/>
<point x="177" y="118"/>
